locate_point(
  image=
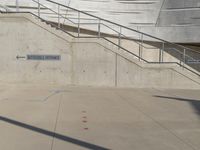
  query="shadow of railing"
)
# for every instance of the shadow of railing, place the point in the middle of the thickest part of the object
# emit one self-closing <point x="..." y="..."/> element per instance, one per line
<point x="53" y="134"/>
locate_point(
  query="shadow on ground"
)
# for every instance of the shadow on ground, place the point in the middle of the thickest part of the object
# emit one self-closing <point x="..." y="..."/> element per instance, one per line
<point x="53" y="134"/>
<point x="195" y="103"/>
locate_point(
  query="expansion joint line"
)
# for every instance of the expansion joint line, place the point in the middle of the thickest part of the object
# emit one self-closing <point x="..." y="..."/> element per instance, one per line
<point x="57" y="116"/>
<point x="157" y="122"/>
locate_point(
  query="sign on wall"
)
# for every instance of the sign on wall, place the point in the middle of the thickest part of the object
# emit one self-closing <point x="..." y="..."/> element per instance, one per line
<point x="44" y="57"/>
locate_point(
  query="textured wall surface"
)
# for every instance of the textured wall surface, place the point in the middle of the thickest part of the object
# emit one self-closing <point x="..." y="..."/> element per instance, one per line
<point x="178" y="16"/>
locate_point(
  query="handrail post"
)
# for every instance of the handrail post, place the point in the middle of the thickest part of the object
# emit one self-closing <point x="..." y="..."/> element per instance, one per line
<point x="78" y="23"/>
<point x="58" y="16"/>
<point x="180" y="59"/>
<point x="99" y="28"/>
<point x="17" y="5"/>
<point x="162" y="52"/>
<point x="38" y="8"/>
<point x="140" y="47"/>
<point x="119" y="37"/>
<point x="184" y="51"/>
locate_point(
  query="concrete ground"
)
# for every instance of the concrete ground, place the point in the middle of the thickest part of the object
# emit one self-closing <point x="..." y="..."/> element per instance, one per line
<point x="36" y="117"/>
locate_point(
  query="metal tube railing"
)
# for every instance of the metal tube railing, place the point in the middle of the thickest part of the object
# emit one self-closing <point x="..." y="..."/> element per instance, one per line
<point x="78" y="24"/>
<point x="118" y="25"/>
<point x="39" y="8"/>
<point x="119" y="37"/>
<point x="99" y="32"/>
<point x="101" y="19"/>
<point x="17" y="5"/>
<point x="119" y="33"/>
<point x="99" y="28"/>
<point x="140" y="46"/>
<point x="58" y="16"/>
<point x="184" y="58"/>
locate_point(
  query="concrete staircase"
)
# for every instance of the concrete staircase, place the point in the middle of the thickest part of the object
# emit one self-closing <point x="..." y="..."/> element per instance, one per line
<point x="84" y="61"/>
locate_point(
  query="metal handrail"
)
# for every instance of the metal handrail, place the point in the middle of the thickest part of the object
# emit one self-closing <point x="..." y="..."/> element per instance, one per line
<point x="121" y="26"/>
<point x="148" y="35"/>
<point x="98" y="18"/>
<point x="4" y="7"/>
<point x="119" y="33"/>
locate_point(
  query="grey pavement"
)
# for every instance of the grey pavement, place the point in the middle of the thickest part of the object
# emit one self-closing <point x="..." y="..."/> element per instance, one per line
<point x="71" y="118"/>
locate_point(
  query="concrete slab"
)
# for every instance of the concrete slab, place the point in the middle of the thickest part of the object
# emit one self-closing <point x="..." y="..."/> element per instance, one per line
<point x="59" y="118"/>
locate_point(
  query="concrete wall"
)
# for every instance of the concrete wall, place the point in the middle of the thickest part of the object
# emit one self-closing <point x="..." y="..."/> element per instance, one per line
<point x="19" y="37"/>
<point x="109" y="66"/>
<point x="90" y="62"/>
<point x="130" y="74"/>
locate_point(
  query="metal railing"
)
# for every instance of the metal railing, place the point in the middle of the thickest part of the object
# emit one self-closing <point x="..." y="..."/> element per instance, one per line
<point x="61" y="15"/>
<point x="4" y="8"/>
